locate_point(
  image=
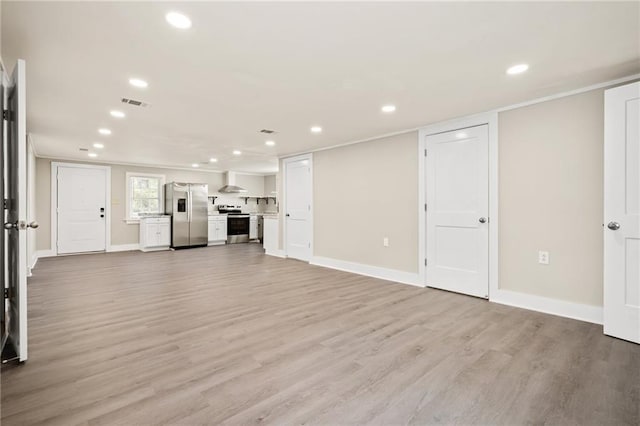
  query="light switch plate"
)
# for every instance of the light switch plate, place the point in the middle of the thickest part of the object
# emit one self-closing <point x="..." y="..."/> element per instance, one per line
<point x="385" y="242"/>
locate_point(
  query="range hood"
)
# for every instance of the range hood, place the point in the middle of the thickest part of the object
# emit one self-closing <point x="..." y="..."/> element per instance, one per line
<point x="231" y="187"/>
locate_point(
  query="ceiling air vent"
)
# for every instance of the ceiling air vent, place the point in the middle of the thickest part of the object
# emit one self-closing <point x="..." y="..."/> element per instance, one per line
<point x="134" y="102"/>
<point x="267" y="131"/>
<point x="84" y="149"/>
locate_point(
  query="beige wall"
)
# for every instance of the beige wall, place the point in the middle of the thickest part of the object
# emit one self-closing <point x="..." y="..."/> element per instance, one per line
<point x="253" y="184"/>
<point x="270" y="185"/>
<point x="363" y="193"/>
<point x="551" y="198"/>
<point x="1" y="29"/>
<point x="43" y="204"/>
<point x="121" y="232"/>
<point x="31" y="203"/>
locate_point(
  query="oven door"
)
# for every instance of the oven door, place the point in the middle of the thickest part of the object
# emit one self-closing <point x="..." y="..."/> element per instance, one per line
<point x="237" y="229"/>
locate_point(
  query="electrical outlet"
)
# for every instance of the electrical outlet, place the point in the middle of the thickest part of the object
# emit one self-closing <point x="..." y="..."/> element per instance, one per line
<point x="385" y="241"/>
<point x="543" y="257"/>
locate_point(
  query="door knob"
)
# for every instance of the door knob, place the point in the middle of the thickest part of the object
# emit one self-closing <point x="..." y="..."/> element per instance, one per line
<point x="482" y="220"/>
<point x="614" y="226"/>
<point x="21" y="225"/>
<point x="287" y="215"/>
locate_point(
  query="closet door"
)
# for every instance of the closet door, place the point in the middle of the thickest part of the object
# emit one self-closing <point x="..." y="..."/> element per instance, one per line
<point x="622" y="213"/>
<point x="457" y="173"/>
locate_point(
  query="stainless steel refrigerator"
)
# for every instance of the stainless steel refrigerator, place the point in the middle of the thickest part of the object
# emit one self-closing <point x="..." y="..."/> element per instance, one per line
<point x="187" y="205"/>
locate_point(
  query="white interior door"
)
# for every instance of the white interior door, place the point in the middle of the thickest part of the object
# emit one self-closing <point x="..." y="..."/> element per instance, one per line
<point x="81" y="207"/>
<point x="622" y="213"/>
<point x="298" y="209"/>
<point x="457" y="174"/>
<point x="16" y="215"/>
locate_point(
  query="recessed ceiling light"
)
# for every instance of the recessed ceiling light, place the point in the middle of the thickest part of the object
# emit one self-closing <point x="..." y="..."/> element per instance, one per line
<point x="117" y="114"/>
<point x="461" y="135"/>
<point x="213" y="160"/>
<point x="517" y="69"/>
<point x="98" y="145"/>
<point x="92" y="154"/>
<point x="388" y="108"/>
<point x="316" y="129"/>
<point x="104" y="131"/>
<point x="237" y="152"/>
<point x="178" y="20"/>
<point x="196" y="165"/>
<point x="138" y="82"/>
<point x="270" y="143"/>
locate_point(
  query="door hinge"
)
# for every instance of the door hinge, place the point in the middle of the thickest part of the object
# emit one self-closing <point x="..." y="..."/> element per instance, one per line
<point x="425" y="262"/>
<point x="425" y="207"/>
<point x="7" y="293"/>
<point x="309" y="245"/>
<point x="5" y="204"/>
<point x="425" y="152"/>
<point x="5" y="114"/>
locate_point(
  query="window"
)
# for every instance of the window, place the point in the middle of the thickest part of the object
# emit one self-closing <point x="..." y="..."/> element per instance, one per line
<point x="145" y="194"/>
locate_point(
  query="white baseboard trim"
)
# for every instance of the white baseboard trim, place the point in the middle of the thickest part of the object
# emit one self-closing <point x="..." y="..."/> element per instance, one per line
<point x="123" y="247"/>
<point x="37" y="255"/>
<point x="44" y="253"/>
<point x="276" y="253"/>
<point x="33" y="262"/>
<point x="577" y="311"/>
<point x="403" y="277"/>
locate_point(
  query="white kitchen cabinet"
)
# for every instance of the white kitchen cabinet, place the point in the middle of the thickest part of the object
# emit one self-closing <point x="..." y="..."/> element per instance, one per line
<point x="217" y="230"/>
<point x="270" y="243"/>
<point x="155" y="233"/>
<point x="253" y="227"/>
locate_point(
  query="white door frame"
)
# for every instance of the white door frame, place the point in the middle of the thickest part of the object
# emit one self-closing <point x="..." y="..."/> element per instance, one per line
<point x="490" y="119"/>
<point x="54" y="204"/>
<point x="285" y="161"/>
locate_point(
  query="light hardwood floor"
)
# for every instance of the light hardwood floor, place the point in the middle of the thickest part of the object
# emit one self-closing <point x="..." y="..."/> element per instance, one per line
<point x="227" y="335"/>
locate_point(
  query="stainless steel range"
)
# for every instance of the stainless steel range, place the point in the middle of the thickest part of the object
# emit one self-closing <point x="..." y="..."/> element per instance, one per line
<point x="237" y="224"/>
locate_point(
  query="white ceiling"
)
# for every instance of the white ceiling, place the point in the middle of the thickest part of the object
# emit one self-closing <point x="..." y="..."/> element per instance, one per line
<point x="287" y="66"/>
